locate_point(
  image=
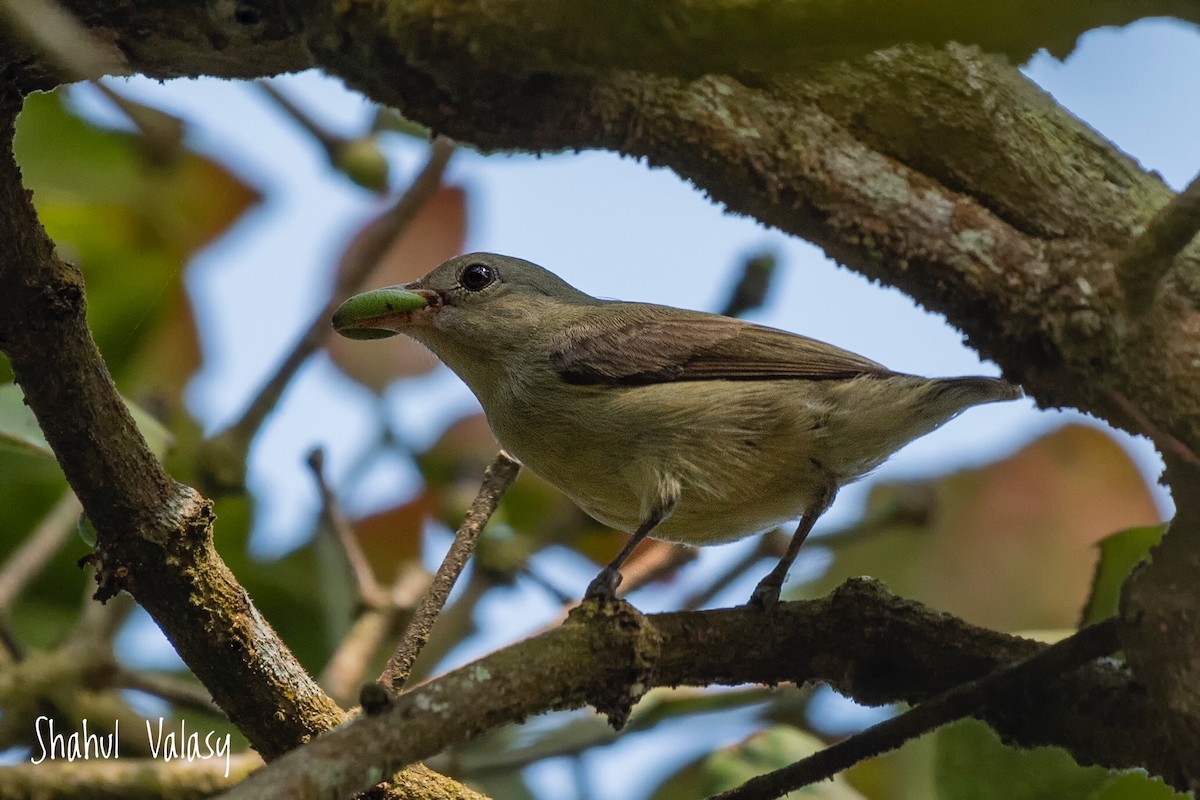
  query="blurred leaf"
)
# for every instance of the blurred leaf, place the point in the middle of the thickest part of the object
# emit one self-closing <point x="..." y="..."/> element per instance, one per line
<point x="389" y="538"/>
<point x="131" y="219"/>
<point x="392" y="121"/>
<point x="1119" y="554"/>
<point x="973" y="764"/>
<point x="362" y="162"/>
<point x="1007" y="546"/>
<point x="1137" y="785"/>
<point x="898" y="775"/>
<point x="19" y="427"/>
<point x="437" y="233"/>
<point x="763" y="752"/>
<point x="507" y="785"/>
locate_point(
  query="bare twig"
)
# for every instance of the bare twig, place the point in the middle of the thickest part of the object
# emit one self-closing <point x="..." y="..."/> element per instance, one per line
<point x="1165" y="442"/>
<point x="180" y="692"/>
<point x="66" y="42"/>
<point x="344" y="671"/>
<point x="233" y="441"/>
<point x="324" y="137"/>
<point x="499" y="476"/>
<point x="1151" y="255"/>
<point x="584" y="733"/>
<point x="764" y="547"/>
<point x="1097" y="713"/>
<point x="162" y="134"/>
<point x="654" y="564"/>
<point x="12" y="648"/>
<point x="1069" y="654"/>
<point x="33" y="553"/>
<point x="369" y="591"/>
<point x="98" y="623"/>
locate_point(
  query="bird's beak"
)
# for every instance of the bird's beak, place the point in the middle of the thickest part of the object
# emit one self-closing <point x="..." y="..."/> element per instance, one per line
<point x="382" y="312"/>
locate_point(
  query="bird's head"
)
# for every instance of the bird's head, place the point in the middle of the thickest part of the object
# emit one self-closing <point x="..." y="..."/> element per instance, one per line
<point x="480" y="296"/>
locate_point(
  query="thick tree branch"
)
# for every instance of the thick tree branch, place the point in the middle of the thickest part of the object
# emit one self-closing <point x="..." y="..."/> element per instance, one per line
<point x="1161" y="623"/>
<point x="126" y="779"/>
<point x="868" y="644"/>
<point x="953" y="704"/>
<point x="939" y="170"/>
<point x="1153" y="252"/>
<point x="154" y="534"/>
<point x="879" y="162"/>
<point x="751" y="38"/>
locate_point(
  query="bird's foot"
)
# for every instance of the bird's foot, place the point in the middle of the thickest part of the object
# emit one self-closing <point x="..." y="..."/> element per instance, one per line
<point x="603" y="587"/>
<point x="766" y="594"/>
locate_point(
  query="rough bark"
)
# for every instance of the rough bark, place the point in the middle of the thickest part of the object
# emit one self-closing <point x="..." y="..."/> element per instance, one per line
<point x="929" y="166"/>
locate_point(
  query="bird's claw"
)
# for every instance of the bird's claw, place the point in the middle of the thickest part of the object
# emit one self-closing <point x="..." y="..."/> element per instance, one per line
<point x="603" y="587"/>
<point x="766" y="594"/>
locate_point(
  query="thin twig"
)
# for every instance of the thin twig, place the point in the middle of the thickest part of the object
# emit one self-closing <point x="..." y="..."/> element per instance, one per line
<point x="370" y="593"/>
<point x="1150" y="256"/>
<point x="343" y="673"/>
<point x="1071" y="653"/>
<point x="499" y="476"/>
<point x="366" y="257"/>
<point x="764" y="547"/>
<point x="12" y="648"/>
<point x="99" y="623"/>
<point x="180" y="692"/>
<point x="654" y="563"/>
<point x="66" y="41"/>
<point x="161" y="133"/>
<point x="546" y="585"/>
<point x="328" y="140"/>
<point x="27" y="561"/>
<point x="1165" y="442"/>
<point x="573" y="738"/>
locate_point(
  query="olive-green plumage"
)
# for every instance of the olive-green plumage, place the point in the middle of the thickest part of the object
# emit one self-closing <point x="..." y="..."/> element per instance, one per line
<point x="687" y="426"/>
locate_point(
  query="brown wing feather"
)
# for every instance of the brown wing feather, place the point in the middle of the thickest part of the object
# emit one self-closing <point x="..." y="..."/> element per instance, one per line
<point x="627" y="344"/>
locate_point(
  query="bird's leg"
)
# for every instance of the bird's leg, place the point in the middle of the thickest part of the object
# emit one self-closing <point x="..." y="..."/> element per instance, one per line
<point x="604" y="586"/>
<point x="766" y="594"/>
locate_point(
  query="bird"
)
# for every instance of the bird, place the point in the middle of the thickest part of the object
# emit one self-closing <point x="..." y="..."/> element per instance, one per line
<point x="662" y="422"/>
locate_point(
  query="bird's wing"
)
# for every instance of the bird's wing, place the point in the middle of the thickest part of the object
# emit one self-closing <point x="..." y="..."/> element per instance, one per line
<point x="628" y="344"/>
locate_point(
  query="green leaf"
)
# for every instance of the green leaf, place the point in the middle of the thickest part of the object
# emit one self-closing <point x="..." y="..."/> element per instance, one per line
<point x="973" y="764"/>
<point x="1119" y="554"/>
<point x="390" y="120"/>
<point x="768" y="750"/>
<point x="19" y="428"/>
<point x="131" y="218"/>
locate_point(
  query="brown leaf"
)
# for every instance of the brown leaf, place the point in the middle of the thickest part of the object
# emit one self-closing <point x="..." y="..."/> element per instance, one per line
<point x="1011" y="545"/>
<point x="437" y="233"/>
<point x="393" y="536"/>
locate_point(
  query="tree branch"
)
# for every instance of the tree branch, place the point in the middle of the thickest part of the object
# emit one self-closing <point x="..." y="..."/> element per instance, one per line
<point x="866" y="643"/>
<point x="499" y="475"/>
<point x="125" y="779"/>
<point x="1153" y="252"/>
<point x="761" y="39"/>
<point x="964" y="699"/>
<point x="154" y="535"/>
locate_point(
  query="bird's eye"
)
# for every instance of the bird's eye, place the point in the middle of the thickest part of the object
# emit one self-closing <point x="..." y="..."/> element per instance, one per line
<point x="476" y="277"/>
